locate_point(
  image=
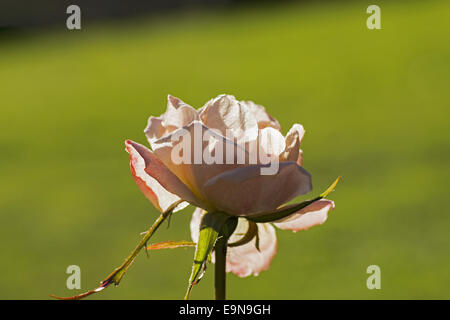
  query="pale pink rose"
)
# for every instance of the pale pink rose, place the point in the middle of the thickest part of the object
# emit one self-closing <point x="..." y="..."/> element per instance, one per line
<point x="171" y="176"/>
<point x="230" y="186"/>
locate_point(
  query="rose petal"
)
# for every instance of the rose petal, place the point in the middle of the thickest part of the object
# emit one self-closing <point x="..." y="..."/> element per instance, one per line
<point x="272" y="142"/>
<point x="183" y="152"/>
<point x="177" y="115"/>
<point x="195" y="223"/>
<point x="292" y="150"/>
<point x="155" y="180"/>
<point x="246" y="259"/>
<point x="314" y="214"/>
<point x="300" y="157"/>
<point x="230" y="118"/>
<point x="262" y="117"/>
<point x="155" y="129"/>
<point x="244" y="191"/>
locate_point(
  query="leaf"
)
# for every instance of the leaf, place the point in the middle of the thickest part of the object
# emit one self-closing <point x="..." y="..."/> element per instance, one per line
<point x="290" y="209"/>
<point x="170" y="245"/>
<point x="213" y="225"/>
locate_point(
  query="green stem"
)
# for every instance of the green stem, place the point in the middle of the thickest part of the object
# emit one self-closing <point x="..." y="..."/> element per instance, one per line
<point x="220" y="272"/>
<point x="119" y="272"/>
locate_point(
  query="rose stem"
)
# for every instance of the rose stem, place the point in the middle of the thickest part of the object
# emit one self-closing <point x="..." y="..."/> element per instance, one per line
<point x="119" y="272"/>
<point x="220" y="274"/>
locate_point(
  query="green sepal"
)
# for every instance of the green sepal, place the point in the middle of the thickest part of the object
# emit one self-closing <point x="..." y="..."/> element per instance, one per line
<point x="290" y="209"/>
<point x="251" y="233"/>
<point x="212" y="226"/>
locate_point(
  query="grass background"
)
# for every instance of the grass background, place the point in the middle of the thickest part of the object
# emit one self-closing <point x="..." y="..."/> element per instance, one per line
<point x="374" y="104"/>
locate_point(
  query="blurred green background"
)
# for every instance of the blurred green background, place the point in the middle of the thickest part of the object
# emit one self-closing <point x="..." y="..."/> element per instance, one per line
<point x="374" y="104"/>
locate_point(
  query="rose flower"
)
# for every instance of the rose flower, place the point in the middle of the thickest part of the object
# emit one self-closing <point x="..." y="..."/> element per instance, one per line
<point x="228" y="156"/>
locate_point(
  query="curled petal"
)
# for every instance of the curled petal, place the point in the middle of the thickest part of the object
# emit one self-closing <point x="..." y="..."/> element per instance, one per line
<point x="230" y="118"/>
<point x="312" y="215"/>
<point x="177" y="115"/>
<point x="155" y="129"/>
<point x="272" y="142"/>
<point x="292" y="150"/>
<point x="262" y="117"/>
<point x="244" y="191"/>
<point x="155" y="180"/>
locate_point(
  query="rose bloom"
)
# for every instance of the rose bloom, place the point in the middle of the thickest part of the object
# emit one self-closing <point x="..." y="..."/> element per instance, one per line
<point x="221" y="169"/>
